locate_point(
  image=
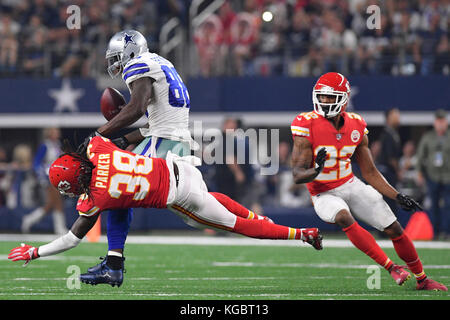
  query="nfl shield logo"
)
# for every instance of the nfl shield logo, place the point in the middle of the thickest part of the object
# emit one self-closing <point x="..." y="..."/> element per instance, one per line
<point x="338" y="136"/>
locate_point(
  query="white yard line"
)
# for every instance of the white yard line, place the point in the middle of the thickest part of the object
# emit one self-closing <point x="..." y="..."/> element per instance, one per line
<point x="306" y="265"/>
<point x="224" y="241"/>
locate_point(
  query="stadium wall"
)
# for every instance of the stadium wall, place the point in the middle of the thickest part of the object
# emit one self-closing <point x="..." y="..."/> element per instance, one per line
<point x="243" y="94"/>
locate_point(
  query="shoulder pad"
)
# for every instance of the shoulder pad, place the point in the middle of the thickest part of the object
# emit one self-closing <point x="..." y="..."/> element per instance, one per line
<point x="134" y="67"/>
<point x="359" y="119"/>
<point x="301" y="124"/>
<point x="356" y="116"/>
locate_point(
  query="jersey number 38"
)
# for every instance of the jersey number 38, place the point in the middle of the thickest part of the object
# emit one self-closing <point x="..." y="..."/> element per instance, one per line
<point x="132" y="171"/>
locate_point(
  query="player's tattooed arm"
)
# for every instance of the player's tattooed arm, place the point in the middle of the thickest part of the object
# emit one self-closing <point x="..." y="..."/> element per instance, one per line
<point x="141" y="92"/>
<point x="301" y="161"/>
<point x="370" y="172"/>
<point x="83" y="224"/>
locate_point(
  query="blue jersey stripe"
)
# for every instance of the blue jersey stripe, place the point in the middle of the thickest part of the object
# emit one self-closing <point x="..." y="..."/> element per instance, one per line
<point x="134" y="66"/>
<point x="135" y="72"/>
<point x="147" y="146"/>
<point x="157" y="145"/>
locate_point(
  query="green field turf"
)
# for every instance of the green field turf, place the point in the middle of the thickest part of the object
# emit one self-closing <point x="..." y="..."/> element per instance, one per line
<point x="205" y="272"/>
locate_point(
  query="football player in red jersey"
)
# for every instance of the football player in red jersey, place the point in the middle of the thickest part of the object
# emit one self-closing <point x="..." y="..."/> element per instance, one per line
<point x="111" y="178"/>
<point x="325" y="140"/>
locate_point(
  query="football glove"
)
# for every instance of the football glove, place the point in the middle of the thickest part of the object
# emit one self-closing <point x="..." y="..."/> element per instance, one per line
<point x="321" y="157"/>
<point x="407" y="203"/>
<point x="121" y="142"/>
<point x="83" y="146"/>
<point x="24" y="252"/>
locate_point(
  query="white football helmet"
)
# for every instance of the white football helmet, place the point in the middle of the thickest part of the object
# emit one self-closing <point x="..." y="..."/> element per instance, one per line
<point x="122" y="47"/>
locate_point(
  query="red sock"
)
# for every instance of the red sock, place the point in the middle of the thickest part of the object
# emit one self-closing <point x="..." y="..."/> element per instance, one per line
<point x="365" y="242"/>
<point x="407" y="252"/>
<point x="263" y="229"/>
<point x="233" y="206"/>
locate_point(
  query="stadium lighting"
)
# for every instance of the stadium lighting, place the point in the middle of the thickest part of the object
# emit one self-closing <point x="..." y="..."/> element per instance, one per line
<point x="267" y="16"/>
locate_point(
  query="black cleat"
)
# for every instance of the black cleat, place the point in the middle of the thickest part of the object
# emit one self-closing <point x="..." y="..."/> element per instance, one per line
<point x="101" y="273"/>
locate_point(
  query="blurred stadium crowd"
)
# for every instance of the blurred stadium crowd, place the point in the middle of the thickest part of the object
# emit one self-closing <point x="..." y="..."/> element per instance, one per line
<point x="244" y="37"/>
<point x="37" y="42"/>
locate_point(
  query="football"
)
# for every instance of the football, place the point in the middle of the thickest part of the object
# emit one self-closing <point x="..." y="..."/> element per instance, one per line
<point x="111" y="103"/>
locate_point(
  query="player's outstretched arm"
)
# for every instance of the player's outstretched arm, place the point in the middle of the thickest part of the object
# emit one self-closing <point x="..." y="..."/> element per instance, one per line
<point x="141" y="91"/>
<point x="370" y="172"/>
<point x="83" y="224"/>
<point x="301" y="161"/>
<point x="373" y="177"/>
<point x="68" y="241"/>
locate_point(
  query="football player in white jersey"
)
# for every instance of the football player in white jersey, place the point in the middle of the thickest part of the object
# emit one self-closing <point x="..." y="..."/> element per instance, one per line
<point x="157" y="91"/>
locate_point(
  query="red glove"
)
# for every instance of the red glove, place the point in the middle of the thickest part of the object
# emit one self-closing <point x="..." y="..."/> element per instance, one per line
<point x="24" y="252"/>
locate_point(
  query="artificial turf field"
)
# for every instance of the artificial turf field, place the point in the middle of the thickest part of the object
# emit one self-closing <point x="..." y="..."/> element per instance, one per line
<point x="201" y="271"/>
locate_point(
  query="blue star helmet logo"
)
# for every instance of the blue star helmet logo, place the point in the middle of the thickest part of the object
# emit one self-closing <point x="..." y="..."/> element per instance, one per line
<point x="128" y="39"/>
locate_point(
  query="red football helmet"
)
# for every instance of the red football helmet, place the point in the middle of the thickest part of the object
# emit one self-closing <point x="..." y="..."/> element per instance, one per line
<point x="331" y="84"/>
<point x="64" y="173"/>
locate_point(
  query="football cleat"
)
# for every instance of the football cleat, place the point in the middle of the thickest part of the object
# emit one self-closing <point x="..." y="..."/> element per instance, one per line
<point x="313" y="237"/>
<point x="97" y="267"/>
<point x="399" y="274"/>
<point x="101" y="273"/>
<point x="429" y="284"/>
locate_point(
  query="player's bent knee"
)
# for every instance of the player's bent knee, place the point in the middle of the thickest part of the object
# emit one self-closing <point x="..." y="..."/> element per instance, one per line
<point x="344" y="219"/>
<point x="394" y="230"/>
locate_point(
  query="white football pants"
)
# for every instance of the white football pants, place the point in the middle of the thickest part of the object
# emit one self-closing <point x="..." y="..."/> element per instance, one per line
<point x="360" y="199"/>
<point x="192" y="202"/>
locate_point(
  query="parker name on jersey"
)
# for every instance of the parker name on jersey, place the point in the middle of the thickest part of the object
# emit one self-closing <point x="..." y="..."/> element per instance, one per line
<point x="123" y="179"/>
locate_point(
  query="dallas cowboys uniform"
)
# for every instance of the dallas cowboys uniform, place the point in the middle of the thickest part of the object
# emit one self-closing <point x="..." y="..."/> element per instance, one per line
<point x="168" y="109"/>
<point x="168" y="118"/>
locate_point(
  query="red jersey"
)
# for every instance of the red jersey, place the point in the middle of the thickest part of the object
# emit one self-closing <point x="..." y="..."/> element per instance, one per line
<point x="122" y="180"/>
<point x="340" y="145"/>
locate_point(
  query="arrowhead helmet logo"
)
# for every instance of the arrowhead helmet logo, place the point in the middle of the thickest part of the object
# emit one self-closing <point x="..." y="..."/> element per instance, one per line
<point x="64" y="185"/>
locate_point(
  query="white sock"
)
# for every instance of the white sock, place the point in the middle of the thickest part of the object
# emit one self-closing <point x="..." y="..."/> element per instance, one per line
<point x="115" y="253"/>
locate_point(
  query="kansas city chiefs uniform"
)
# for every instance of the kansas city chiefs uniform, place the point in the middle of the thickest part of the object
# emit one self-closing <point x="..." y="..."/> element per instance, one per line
<point x="122" y="179"/>
<point x="340" y="145"/>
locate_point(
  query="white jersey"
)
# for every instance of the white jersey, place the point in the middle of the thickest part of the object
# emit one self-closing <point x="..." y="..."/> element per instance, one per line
<point x="168" y="110"/>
